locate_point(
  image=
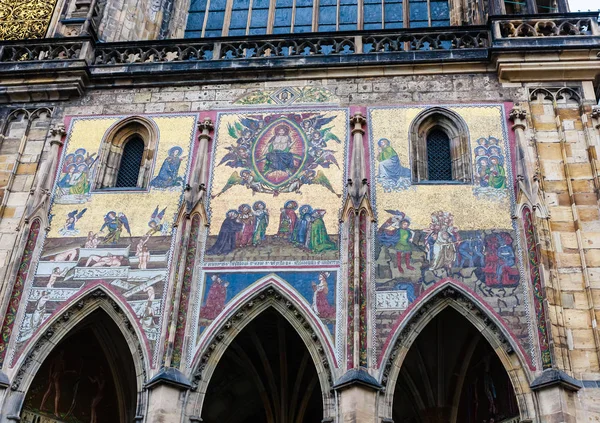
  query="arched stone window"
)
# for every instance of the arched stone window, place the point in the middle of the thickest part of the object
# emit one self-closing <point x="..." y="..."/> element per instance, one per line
<point x="440" y="152"/>
<point x="126" y="155"/>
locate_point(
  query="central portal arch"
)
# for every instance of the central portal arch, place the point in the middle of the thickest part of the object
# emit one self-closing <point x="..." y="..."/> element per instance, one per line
<point x="268" y="316"/>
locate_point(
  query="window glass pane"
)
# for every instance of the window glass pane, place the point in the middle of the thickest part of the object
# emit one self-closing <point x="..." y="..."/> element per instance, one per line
<point x="129" y="169"/>
<point x="195" y="19"/>
<point x="372" y="14"/>
<point x="439" y="160"/>
<point x="260" y="15"/>
<point x="327" y="15"/>
<point x="348" y="12"/>
<point x="440" y="14"/>
<point x="393" y="14"/>
<point x="304" y="11"/>
<point x="283" y="17"/>
<point x="418" y="13"/>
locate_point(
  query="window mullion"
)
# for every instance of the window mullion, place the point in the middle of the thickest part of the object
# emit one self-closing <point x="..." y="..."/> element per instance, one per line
<point x="205" y="18"/>
<point x="227" y="18"/>
<point x="293" y="19"/>
<point x="429" y="13"/>
<point x="249" y="19"/>
<point x="271" y="18"/>
<point x="337" y="15"/>
<point x="315" y="22"/>
<point x="360" y="13"/>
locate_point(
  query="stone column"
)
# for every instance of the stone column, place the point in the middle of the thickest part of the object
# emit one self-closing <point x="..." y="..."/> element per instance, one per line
<point x="518" y="116"/>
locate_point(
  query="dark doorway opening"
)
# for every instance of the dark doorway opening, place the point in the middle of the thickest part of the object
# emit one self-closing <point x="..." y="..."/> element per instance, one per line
<point x="452" y="375"/>
<point x="89" y="377"/>
<point x="266" y="376"/>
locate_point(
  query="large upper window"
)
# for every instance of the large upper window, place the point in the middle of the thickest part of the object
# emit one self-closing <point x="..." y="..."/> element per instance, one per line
<point x="126" y="155"/>
<point x="440" y="150"/>
<point x="215" y="18"/>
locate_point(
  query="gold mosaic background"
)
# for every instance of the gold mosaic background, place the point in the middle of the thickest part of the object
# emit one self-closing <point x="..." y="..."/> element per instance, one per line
<point x="138" y="207"/>
<point x="24" y="19"/>
<point x="317" y="196"/>
<point x="420" y="201"/>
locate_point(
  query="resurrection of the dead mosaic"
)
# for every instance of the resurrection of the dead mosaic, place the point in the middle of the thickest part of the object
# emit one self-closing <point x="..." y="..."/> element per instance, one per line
<point x="121" y="239"/>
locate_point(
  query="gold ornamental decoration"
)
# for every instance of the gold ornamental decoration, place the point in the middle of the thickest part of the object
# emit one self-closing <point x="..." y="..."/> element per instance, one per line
<point x="23" y="19"/>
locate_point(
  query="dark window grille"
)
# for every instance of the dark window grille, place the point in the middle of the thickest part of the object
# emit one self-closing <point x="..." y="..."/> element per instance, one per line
<point x="131" y="161"/>
<point x="439" y="159"/>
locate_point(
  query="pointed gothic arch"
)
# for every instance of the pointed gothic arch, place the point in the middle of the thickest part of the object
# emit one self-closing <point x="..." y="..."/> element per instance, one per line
<point x="131" y="129"/>
<point x="273" y="294"/>
<point x="443" y="121"/>
<point x="451" y="295"/>
<point x="59" y="327"/>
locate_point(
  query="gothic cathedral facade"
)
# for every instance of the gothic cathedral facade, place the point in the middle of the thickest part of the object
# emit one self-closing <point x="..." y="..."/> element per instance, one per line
<point x="299" y="211"/>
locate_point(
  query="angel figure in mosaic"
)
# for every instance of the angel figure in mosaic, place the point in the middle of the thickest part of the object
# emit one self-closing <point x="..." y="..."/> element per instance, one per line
<point x="310" y="177"/>
<point x="246" y="179"/>
<point x="155" y="223"/>
<point x="72" y="218"/>
<point x="114" y="223"/>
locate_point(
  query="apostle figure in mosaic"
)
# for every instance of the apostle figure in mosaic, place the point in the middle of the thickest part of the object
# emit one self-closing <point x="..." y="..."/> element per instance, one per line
<point x="301" y="228"/>
<point x="319" y="240"/>
<point x="246" y="218"/>
<point x="320" y="303"/>
<point x="261" y="221"/>
<point x="496" y="173"/>
<point x="167" y="175"/>
<point x="225" y="242"/>
<point x="287" y="220"/>
<point x="216" y="298"/>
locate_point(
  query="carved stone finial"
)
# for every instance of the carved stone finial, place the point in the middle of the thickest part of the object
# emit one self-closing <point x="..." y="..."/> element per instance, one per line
<point x="517" y="113"/>
<point x="358" y="120"/>
<point x="206" y="125"/>
<point x="57" y="132"/>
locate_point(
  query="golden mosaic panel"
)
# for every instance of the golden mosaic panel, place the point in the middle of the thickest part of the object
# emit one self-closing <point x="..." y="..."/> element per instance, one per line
<point x="25" y="19"/>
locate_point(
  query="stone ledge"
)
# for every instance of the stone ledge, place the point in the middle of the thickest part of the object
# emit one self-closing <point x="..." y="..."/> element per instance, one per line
<point x="357" y="377"/>
<point x="554" y="377"/>
<point x="169" y="376"/>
